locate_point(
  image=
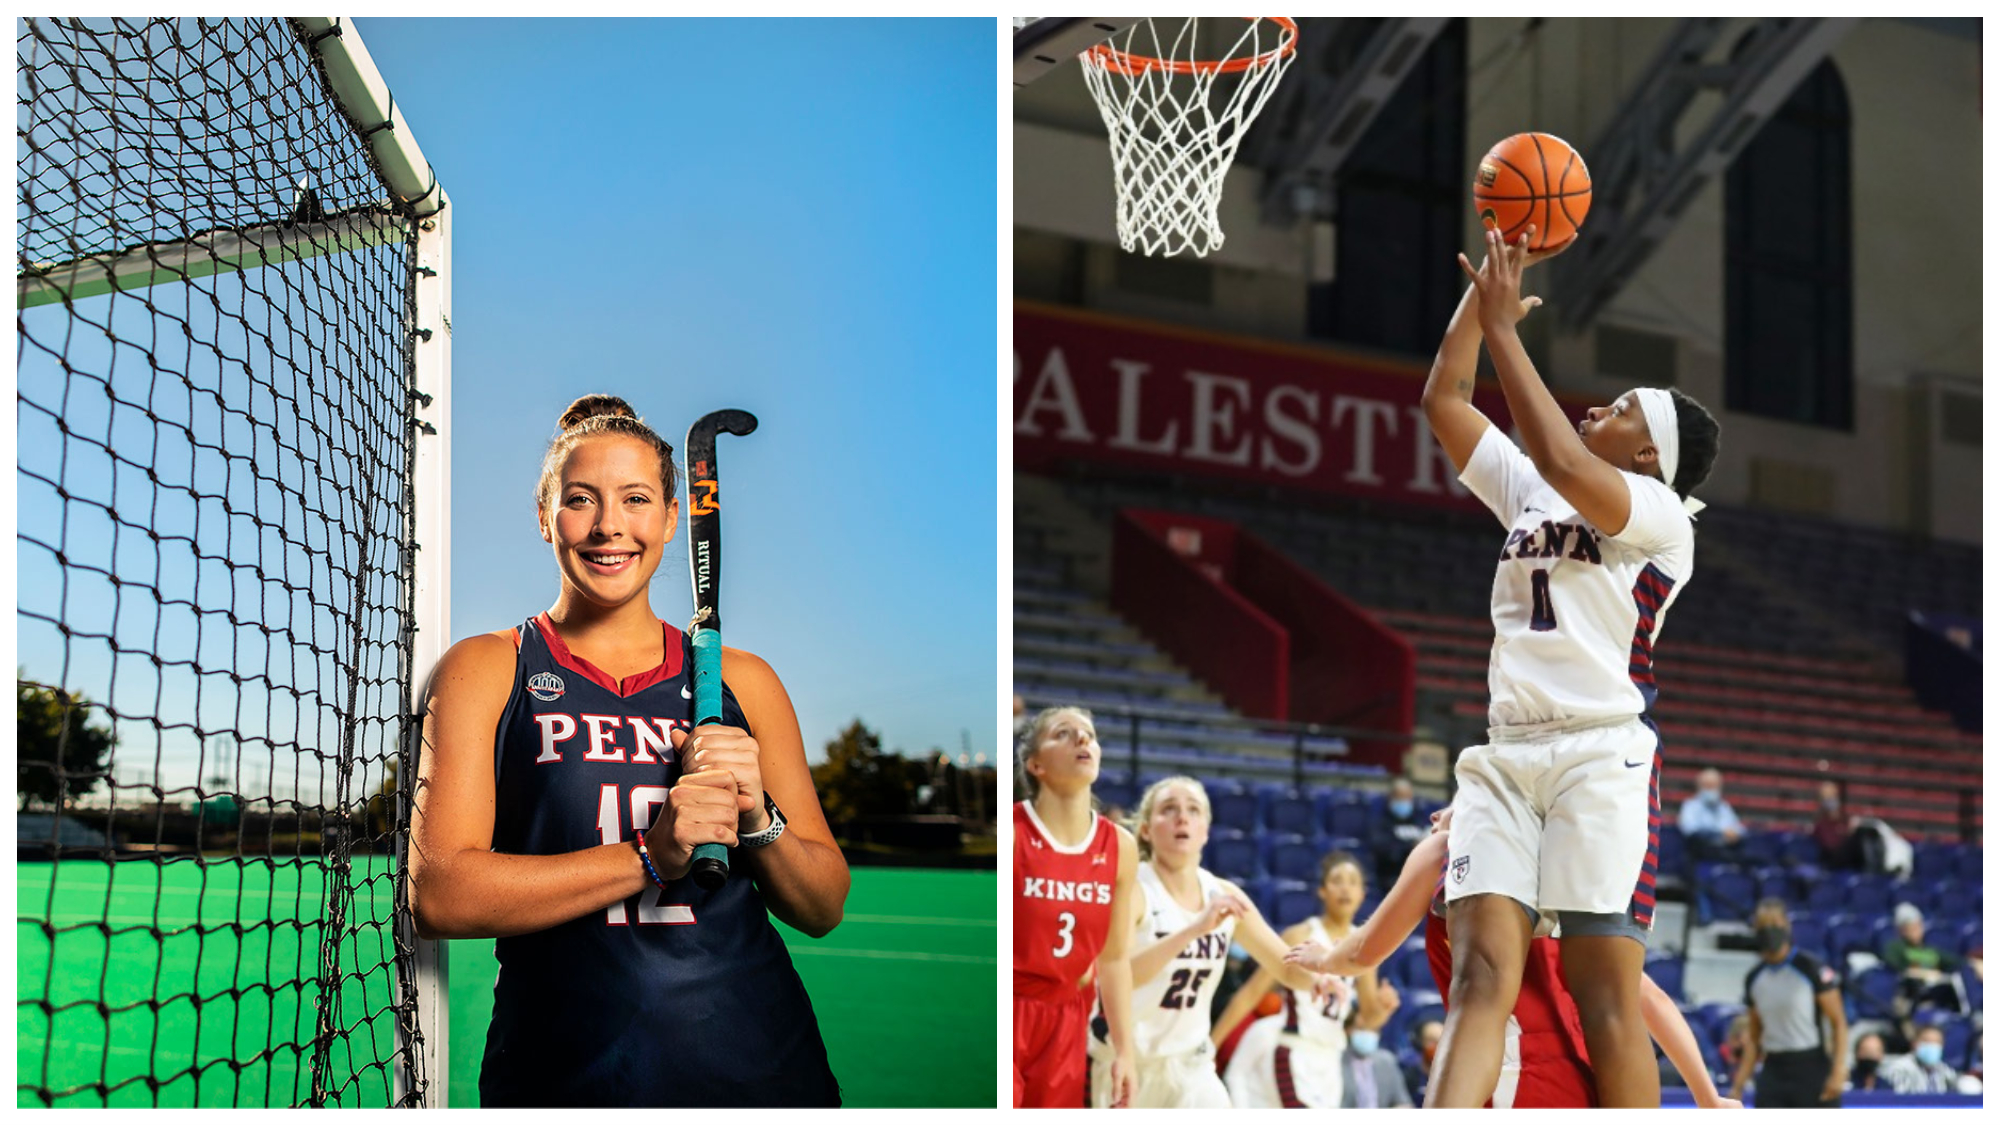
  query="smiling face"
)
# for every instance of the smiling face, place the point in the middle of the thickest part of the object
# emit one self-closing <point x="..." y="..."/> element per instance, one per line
<point x="1618" y="435"/>
<point x="1066" y="754"/>
<point x="612" y="519"/>
<point x="1176" y="828"/>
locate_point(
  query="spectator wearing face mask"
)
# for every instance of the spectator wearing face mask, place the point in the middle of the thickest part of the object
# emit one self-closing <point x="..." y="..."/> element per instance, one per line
<point x="1798" y="1027"/>
<point x="1399" y="828"/>
<point x="1371" y="1078"/>
<point x="1923" y="1070"/>
<point x="1708" y="824"/>
<point x="1868" y="1054"/>
<point x="1833" y="831"/>
<point x="1417" y="1076"/>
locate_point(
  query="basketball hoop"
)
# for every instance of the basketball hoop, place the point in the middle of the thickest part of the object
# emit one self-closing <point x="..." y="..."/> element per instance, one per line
<point x="1173" y="133"/>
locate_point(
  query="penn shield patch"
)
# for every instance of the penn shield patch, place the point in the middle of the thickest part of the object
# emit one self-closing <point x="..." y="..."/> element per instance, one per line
<point x="1459" y="867"/>
<point x="545" y="686"/>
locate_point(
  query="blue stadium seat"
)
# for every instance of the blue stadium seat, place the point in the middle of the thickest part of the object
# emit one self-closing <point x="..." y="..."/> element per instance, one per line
<point x="1870" y="894"/>
<point x="1269" y="793"/>
<point x="1232" y="856"/>
<point x="1847" y="934"/>
<point x="1728" y="890"/>
<point x="1354" y="847"/>
<point x="1775" y="882"/>
<point x="1411" y="967"/>
<point x="1673" y="850"/>
<point x="1970" y="936"/>
<point x="1809" y="935"/>
<point x="1263" y="891"/>
<point x="1873" y="994"/>
<point x="1233" y="807"/>
<point x="1972" y="864"/>
<point x="1761" y="849"/>
<point x="1975" y="989"/>
<point x="1346" y="813"/>
<point x="1291" y="812"/>
<point x="1933" y="860"/>
<point x="1958" y="900"/>
<point x="1667" y="972"/>
<point x="1800" y="850"/>
<point x="1291" y="902"/>
<point x="1826" y="895"/>
<point x="1115" y="794"/>
<point x="1295" y="857"/>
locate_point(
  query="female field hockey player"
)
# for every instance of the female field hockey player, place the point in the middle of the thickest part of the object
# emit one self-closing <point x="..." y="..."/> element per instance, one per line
<point x="1559" y="812"/>
<point x="561" y="794"/>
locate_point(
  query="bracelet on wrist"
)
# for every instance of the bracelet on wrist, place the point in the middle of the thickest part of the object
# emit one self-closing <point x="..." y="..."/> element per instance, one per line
<point x="646" y="858"/>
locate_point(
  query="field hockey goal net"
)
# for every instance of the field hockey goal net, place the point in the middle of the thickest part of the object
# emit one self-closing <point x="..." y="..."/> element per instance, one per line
<point x="233" y="374"/>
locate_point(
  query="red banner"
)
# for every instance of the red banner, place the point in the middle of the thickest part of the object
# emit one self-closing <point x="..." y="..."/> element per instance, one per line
<point x="1094" y="388"/>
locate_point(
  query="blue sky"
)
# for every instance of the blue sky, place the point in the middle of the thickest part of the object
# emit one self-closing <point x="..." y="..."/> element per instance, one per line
<point x="691" y="214"/>
<point x="793" y="217"/>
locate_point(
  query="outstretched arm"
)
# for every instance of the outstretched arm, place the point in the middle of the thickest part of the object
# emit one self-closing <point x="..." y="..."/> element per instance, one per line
<point x="1401" y="912"/>
<point x="1268" y="950"/>
<point x="1671" y="1032"/>
<point x="1597" y="490"/>
<point x="1448" y="393"/>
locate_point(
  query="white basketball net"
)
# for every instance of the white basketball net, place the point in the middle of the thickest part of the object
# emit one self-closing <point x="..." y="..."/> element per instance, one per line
<point x="1176" y="120"/>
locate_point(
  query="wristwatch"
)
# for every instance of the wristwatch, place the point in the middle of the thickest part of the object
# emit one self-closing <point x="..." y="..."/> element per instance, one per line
<point x="771" y="832"/>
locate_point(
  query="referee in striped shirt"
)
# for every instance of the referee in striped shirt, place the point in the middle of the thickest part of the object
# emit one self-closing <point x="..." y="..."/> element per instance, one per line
<point x="1798" y="1026"/>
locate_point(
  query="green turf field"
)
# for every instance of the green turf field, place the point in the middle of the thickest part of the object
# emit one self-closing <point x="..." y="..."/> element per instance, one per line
<point x="904" y="989"/>
<point x="222" y="1008"/>
<point x="205" y="978"/>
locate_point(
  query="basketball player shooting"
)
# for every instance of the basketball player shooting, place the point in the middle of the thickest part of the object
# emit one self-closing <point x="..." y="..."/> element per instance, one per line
<point x="1559" y="813"/>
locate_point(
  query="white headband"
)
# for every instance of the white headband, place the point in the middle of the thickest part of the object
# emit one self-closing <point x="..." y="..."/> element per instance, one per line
<point x="1664" y="422"/>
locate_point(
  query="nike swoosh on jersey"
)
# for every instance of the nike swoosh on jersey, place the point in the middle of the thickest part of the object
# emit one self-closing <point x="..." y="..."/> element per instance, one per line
<point x="1634" y="765"/>
<point x="685" y="693"/>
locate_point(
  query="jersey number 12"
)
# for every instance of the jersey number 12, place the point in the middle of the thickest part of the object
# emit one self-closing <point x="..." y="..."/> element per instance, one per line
<point x="611" y="829"/>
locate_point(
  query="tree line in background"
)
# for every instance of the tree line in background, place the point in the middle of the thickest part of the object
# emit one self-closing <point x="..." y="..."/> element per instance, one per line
<point x="876" y="800"/>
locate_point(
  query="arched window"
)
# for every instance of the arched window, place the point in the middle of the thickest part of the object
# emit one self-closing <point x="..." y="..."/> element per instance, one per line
<point x="1788" y="276"/>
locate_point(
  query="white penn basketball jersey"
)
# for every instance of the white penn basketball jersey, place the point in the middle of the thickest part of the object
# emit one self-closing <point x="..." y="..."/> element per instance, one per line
<point x="1575" y="612"/>
<point x="1320" y="1022"/>
<point x="1171" y="1011"/>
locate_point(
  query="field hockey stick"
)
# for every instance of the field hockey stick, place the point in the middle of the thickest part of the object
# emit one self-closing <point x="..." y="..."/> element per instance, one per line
<point x="711" y="861"/>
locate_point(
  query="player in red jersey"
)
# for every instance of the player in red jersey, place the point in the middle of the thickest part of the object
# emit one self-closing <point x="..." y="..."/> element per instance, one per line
<point x="1545" y="1061"/>
<point x="1075" y="885"/>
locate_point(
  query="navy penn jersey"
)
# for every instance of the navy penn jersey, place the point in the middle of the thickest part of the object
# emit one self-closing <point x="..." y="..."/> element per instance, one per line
<point x="676" y="997"/>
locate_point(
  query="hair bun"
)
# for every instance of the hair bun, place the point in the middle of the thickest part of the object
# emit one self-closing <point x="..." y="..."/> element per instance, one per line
<point x="595" y="406"/>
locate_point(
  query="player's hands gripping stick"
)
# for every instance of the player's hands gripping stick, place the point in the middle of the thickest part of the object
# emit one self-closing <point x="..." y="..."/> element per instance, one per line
<point x="731" y="749"/>
<point x="701" y="808"/>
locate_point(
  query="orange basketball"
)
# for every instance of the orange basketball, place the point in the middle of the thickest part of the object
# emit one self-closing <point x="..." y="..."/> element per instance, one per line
<point x="1532" y="178"/>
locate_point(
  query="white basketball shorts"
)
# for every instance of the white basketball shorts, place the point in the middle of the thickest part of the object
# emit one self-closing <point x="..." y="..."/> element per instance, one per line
<point x="1186" y="1081"/>
<point x="1274" y="1070"/>
<point x="1564" y="822"/>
